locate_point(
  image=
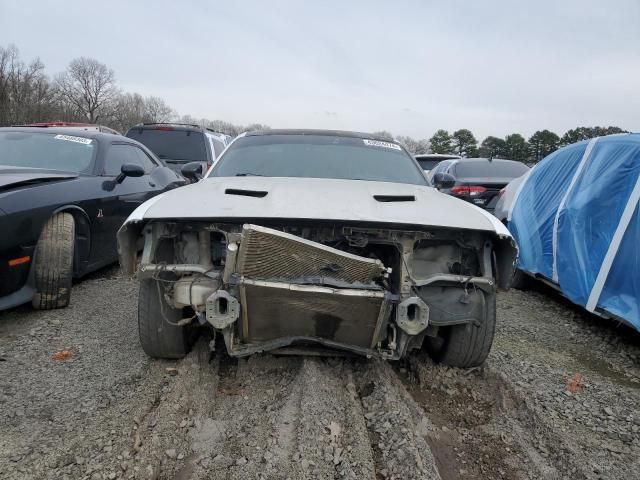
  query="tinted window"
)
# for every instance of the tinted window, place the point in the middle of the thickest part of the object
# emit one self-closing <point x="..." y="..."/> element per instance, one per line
<point x="480" y="168"/>
<point x="442" y="167"/>
<point x="318" y="156"/>
<point x="69" y="153"/>
<point x="427" y="164"/>
<point x="217" y="146"/>
<point x="173" y="146"/>
<point x="118" y="155"/>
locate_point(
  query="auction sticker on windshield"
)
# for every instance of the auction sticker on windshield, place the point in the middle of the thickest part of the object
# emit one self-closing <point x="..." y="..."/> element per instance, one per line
<point x="378" y="143"/>
<point x="70" y="138"/>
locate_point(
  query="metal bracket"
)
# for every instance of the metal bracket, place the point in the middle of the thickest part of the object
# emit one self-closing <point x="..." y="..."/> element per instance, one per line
<point x="412" y="315"/>
<point x="222" y="309"/>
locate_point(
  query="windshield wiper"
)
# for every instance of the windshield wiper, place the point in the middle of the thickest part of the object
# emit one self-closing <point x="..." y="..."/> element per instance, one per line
<point x="249" y="174"/>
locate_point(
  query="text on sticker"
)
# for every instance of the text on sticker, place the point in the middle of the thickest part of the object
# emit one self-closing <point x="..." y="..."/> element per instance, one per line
<point x="70" y="138"/>
<point x="378" y="143"/>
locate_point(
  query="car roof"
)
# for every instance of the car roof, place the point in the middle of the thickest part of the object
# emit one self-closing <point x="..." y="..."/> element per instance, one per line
<point x="94" y="134"/>
<point x="186" y="127"/>
<point x="436" y="156"/>
<point x="480" y="159"/>
<point x="329" y="133"/>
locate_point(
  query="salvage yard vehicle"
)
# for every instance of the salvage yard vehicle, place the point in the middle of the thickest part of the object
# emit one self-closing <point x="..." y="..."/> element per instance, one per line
<point x="180" y="143"/>
<point x="428" y="161"/>
<point x="576" y="219"/>
<point x="303" y="240"/>
<point x="88" y="127"/>
<point x="479" y="180"/>
<point x="63" y="195"/>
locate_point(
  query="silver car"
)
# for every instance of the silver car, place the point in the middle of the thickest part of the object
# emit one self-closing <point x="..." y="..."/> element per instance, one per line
<point x="313" y="239"/>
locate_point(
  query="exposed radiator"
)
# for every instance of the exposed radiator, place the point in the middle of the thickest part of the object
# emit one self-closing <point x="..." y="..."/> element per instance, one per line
<point x="270" y="254"/>
<point x="273" y="310"/>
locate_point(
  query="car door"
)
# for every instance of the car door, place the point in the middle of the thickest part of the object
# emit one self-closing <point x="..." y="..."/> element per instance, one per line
<point x="121" y="196"/>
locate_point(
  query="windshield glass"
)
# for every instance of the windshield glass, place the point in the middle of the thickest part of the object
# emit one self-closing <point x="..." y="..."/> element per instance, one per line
<point x="172" y="145"/>
<point x="479" y="168"/>
<point x="68" y="153"/>
<point x="318" y="156"/>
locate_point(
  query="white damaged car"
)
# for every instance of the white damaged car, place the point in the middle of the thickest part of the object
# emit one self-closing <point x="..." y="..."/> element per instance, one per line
<point x="323" y="241"/>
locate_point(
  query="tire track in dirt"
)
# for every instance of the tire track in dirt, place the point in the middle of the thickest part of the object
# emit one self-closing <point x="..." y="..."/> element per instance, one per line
<point x="485" y="429"/>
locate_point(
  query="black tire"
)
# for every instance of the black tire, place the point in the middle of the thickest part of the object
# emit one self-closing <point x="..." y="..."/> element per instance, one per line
<point x="160" y="339"/>
<point x="53" y="263"/>
<point x="520" y="280"/>
<point x="466" y="345"/>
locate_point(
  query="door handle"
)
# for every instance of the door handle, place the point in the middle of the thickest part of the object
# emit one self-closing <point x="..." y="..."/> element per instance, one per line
<point x="151" y="184"/>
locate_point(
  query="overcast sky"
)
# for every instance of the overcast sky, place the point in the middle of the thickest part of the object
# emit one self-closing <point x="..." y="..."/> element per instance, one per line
<point x="411" y="67"/>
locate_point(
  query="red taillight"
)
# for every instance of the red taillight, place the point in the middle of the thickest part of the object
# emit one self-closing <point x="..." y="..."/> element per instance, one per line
<point x="466" y="190"/>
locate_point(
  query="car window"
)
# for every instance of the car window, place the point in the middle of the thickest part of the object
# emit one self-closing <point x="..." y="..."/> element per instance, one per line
<point x="172" y="146"/>
<point x="69" y="153"/>
<point x="319" y="156"/>
<point x="496" y="168"/>
<point x="217" y="146"/>
<point x="119" y="154"/>
<point x="427" y="164"/>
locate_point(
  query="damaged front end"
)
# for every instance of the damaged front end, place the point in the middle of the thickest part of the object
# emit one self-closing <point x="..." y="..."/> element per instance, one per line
<point x="369" y="291"/>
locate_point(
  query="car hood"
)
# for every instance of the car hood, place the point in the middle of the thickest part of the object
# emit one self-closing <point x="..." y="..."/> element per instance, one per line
<point x="15" y="177"/>
<point x="316" y="199"/>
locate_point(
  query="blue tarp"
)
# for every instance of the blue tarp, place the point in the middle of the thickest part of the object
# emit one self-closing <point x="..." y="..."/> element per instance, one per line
<point x="577" y="223"/>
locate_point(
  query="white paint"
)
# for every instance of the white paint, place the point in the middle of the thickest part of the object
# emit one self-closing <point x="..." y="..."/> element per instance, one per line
<point x="576" y="175"/>
<point x="318" y="199"/>
<point x="518" y="184"/>
<point x="138" y="213"/>
<point x="605" y="268"/>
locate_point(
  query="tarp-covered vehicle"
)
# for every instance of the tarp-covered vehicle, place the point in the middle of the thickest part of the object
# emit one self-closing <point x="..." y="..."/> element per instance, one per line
<point x="576" y="221"/>
<point x="317" y="240"/>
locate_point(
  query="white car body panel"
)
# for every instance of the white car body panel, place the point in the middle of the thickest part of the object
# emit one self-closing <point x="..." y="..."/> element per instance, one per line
<point x="316" y="199"/>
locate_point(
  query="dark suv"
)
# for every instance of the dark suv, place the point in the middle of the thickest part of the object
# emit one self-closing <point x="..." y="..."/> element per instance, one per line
<point x="178" y="143"/>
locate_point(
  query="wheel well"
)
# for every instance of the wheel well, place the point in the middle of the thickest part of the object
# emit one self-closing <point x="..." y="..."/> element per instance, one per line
<point x="82" y="238"/>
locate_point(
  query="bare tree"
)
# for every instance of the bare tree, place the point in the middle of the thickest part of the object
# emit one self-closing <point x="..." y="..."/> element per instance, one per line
<point x="89" y="86"/>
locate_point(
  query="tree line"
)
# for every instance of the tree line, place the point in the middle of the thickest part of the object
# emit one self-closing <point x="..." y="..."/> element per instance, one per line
<point x="87" y="92"/>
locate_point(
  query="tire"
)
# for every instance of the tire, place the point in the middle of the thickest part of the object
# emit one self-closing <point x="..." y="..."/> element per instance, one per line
<point x="53" y="263"/>
<point x="466" y="345"/>
<point x="520" y="280"/>
<point x="160" y="339"/>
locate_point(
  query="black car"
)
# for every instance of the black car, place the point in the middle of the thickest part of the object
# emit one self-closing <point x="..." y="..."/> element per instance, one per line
<point x="63" y="196"/>
<point x="179" y="143"/>
<point x="477" y="180"/>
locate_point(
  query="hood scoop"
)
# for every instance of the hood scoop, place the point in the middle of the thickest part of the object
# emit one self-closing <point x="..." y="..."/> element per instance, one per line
<point x="395" y="198"/>
<point x="246" y="193"/>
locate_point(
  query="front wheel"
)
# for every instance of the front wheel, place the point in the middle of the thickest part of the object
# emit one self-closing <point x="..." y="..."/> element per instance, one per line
<point x="53" y="263"/>
<point x="160" y="336"/>
<point x="466" y="345"/>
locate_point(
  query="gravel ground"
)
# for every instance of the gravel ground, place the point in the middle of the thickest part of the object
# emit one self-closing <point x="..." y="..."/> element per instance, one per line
<point x="558" y="398"/>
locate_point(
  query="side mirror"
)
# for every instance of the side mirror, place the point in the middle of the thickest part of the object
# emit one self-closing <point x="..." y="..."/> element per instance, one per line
<point x="129" y="170"/>
<point x="443" y="180"/>
<point x="192" y="171"/>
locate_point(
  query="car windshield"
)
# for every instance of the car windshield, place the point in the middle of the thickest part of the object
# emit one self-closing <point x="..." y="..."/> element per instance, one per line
<point x="318" y="156"/>
<point x="497" y="169"/>
<point x="172" y="145"/>
<point x="68" y="153"/>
